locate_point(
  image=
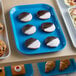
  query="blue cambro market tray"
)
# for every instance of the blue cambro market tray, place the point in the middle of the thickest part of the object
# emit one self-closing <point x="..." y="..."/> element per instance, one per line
<point x="28" y="69"/>
<point x="71" y="68"/>
<point x="40" y="35"/>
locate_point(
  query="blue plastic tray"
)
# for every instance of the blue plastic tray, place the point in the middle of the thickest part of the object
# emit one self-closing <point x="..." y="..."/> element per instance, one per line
<point x="41" y="67"/>
<point x="20" y="37"/>
<point x="28" y="68"/>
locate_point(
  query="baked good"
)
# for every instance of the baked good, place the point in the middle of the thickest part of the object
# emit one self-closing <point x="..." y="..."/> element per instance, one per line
<point x="64" y="64"/>
<point x="29" y="29"/>
<point x="18" y="70"/>
<point x="71" y="2"/>
<point x="43" y="14"/>
<point x="52" y="41"/>
<point x="2" y="71"/>
<point x="3" y="48"/>
<point x="25" y="17"/>
<point x="1" y="27"/>
<point x="48" y="27"/>
<point x="73" y="15"/>
<point x="49" y="66"/>
<point x="32" y="43"/>
<point x="66" y="61"/>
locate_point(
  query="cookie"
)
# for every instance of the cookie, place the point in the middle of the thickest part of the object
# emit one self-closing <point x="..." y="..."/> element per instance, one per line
<point x="25" y="17"/>
<point x="43" y="14"/>
<point x="50" y="66"/>
<point x="32" y="43"/>
<point x="48" y="27"/>
<point x="52" y="41"/>
<point x="3" y="48"/>
<point x="29" y="29"/>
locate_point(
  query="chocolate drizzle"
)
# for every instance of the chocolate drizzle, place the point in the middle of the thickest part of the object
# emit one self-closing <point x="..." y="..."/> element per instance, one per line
<point x="74" y="0"/>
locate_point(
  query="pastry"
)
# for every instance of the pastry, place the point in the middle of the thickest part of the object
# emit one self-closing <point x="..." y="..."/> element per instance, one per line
<point x="32" y="43"/>
<point x="1" y="27"/>
<point x="64" y="64"/>
<point x="71" y="2"/>
<point x="52" y="41"/>
<point x="73" y="15"/>
<point x="66" y="61"/>
<point x="49" y="66"/>
<point x="18" y="70"/>
<point x="48" y="27"/>
<point x="29" y="29"/>
<point x="3" y="48"/>
<point x="25" y="17"/>
<point x="43" y="14"/>
<point x="2" y="71"/>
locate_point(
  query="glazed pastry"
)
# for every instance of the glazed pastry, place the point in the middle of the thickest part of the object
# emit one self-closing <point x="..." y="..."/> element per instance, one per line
<point x="1" y="27"/>
<point x="25" y="17"/>
<point x="2" y="71"/>
<point x="66" y="61"/>
<point x="49" y="66"/>
<point x="43" y="14"/>
<point x="32" y="43"/>
<point x="64" y="64"/>
<point x="73" y="15"/>
<point x="71" y="2"/>
<point x="18" y="70"/>
<point x="52" y="41"/>
<point x="29" y="29"/>
<point x="3" y="48"/>
<point x="48" y="27"/>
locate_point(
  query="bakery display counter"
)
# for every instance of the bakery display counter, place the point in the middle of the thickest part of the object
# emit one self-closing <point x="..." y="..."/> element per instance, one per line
<point x="16" y="57"/>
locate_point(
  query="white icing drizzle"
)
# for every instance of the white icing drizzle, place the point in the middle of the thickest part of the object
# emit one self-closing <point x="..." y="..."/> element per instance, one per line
<point x="73" y="16"/>
<point x="74" y="11"/>
<point x="54" y="43"/>
<point x="18" y="70"/>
